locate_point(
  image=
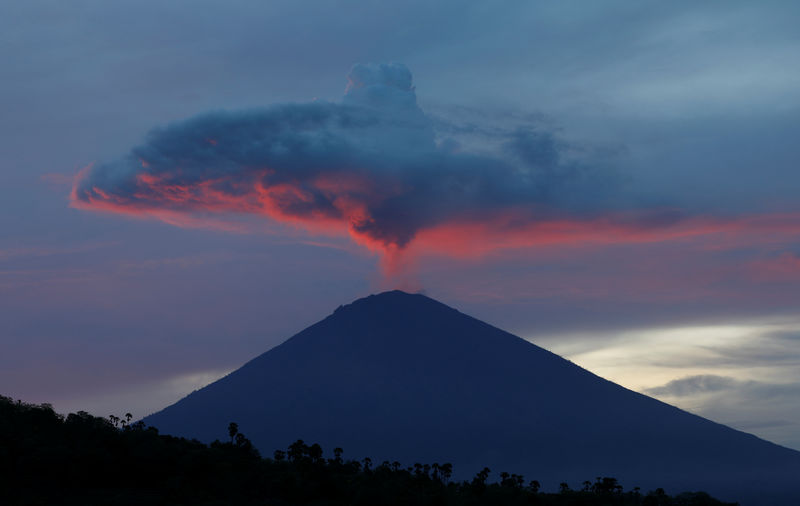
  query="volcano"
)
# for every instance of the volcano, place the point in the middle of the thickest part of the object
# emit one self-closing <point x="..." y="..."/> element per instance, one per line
<point x="402" y="377"/>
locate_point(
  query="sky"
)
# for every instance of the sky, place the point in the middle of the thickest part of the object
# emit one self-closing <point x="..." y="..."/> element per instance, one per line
<point x="186" y="184"/>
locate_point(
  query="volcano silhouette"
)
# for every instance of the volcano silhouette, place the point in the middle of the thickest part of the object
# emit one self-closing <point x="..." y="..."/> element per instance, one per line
<point x="402" y="377"/>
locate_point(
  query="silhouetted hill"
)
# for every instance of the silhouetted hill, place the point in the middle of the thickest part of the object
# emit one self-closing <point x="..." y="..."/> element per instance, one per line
<point x="400" y="376"/>
<point x="49" y="459"/>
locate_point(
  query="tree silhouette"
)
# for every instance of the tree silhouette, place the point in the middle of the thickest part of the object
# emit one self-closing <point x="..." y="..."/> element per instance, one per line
<point x="447" y="470"/>
<point x="233" y="429"/>
<point x="479" y="481"/>
<point x="315" y="453"/>
<point x="46" y="458"/>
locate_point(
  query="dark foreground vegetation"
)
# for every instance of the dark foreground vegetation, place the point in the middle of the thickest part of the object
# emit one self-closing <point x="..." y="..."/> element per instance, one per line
<point x="50" y="459"/>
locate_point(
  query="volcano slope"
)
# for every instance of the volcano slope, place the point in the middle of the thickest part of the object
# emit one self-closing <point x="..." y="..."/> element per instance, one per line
<point x="400" y="376"/>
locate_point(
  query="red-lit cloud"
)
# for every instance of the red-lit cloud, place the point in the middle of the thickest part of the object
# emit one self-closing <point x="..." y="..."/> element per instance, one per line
<point x="783" y="269"/>
<point x="512" y="231"/>
<point x="372" y="167"/>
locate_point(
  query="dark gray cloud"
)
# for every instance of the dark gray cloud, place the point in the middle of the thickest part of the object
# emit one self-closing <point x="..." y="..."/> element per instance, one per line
<point x="692" y="385"/>
<point x="771" y="353"/>
<point x="371" y="163"/>
<point x="769" y="408"/>
<point x="728" y="390"/>
<point x="762" y="350"/>
<point x="790" y="336"/>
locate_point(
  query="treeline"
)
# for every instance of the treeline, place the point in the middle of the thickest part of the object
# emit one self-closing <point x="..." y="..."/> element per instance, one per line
<point x="50" y="459"/>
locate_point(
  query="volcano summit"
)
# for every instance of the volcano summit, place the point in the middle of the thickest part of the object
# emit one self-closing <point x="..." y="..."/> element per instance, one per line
<point x="397" y="376"/>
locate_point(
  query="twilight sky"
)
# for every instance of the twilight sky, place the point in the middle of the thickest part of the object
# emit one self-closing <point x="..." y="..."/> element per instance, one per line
<point x="184" y="186"/>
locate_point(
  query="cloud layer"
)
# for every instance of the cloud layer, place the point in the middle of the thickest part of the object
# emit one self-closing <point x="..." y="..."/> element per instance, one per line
<point x="376" y="167"/>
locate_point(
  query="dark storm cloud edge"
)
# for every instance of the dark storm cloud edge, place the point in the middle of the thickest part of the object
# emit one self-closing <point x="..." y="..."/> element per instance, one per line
<point x="372" y="163"/>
